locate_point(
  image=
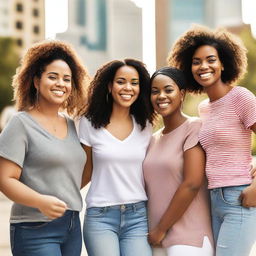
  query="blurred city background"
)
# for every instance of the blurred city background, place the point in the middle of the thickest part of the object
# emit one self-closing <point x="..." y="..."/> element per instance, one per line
<point x="103" y="30"/>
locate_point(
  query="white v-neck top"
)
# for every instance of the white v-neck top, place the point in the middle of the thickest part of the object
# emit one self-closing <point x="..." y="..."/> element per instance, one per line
<point x="117" y="176"/>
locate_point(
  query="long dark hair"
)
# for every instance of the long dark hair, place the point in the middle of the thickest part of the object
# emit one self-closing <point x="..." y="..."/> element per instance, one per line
<point x="100" y="102"/>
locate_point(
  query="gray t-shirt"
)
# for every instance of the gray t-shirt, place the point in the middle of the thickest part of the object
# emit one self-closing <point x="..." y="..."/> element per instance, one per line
<point x="50" y="165"/>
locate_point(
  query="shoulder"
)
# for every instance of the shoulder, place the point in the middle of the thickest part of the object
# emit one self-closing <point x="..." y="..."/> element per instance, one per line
<point x="240" y="92"/>
<point x="193" y="123"/>
<point x="203" y="104"/>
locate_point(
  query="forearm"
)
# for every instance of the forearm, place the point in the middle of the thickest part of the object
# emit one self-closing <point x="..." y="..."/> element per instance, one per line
<point x="20" y="193"/>
<point x="177" y="207"/>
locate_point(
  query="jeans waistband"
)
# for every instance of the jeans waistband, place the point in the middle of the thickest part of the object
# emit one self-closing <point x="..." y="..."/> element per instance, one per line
<point x="131" y="206"/>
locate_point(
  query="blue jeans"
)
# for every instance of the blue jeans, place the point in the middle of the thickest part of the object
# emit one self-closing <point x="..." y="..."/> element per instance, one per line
<point x="60" y="237"/>
<point x="117" y="230"/>
<point x="234" y="226"/>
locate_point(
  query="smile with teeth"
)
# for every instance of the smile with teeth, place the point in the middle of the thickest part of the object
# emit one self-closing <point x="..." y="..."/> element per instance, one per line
<point x="163" y="105"/>
<point x="126" y="96"/>
<point x="58" y="93"/>
<point x="205" y="75"/>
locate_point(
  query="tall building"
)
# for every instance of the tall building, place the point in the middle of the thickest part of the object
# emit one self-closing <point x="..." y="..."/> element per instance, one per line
<point x="23" y="20"/>
<point x="103" y="30"/>
<point x="179" y="15"/>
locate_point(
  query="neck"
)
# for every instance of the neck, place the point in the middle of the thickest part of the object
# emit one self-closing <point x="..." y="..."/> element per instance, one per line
<point x="217" y="91"/>
<point x="49" y="112"/>
<point x="120" y="113"/>
<point x="173" y="121"/>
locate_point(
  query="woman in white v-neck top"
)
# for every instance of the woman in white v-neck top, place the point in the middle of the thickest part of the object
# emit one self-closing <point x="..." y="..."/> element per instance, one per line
<point x="115" y="131"/>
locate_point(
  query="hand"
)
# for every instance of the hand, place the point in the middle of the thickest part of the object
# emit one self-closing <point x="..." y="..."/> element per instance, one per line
<point x="51" y="206"/>
<point x="248" y="196"/>
<point x="155" y="237"/>
<point x="253" y="172"/>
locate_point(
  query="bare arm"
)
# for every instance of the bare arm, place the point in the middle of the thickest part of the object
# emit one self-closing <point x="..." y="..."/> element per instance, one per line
<point x="87" y="174"/>
<point x="18" y="192"/>
<point x="248" y="196"/>
<point x="193" y="172"/>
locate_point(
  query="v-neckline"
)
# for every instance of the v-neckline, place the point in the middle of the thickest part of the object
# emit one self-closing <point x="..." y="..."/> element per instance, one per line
<point x="43" y="129"/>
<point x="119" y="140"/>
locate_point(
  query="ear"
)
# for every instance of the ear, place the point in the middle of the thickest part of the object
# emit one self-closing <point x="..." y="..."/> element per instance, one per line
<point x="109" y="87"/>
<point x="36" y="82"/>
<point x="183" y="94"/>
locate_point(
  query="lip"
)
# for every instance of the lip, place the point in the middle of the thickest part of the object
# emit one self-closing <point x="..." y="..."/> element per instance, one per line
<point x="126" y="96"/>
<point x="163" y="105"/>
<point x="205" y="75"/>
<point x="58" y="92"/>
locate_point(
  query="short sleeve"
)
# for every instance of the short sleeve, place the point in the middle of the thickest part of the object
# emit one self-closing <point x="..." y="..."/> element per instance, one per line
<point x="192" y="134"/>
<point x="13" y="141"/>
<point x="84" y="131"/>
<point x="245" y="107"/>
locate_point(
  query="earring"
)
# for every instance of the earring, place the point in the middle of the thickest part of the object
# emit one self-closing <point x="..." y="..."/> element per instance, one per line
<point x="222" y="68"/>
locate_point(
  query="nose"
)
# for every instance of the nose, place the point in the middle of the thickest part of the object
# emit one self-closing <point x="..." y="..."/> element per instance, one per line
<point x="128" y="86"/>
<point x="204" y="65"/>
<point x="60" y="82"/>
<point x="161" y="95"/>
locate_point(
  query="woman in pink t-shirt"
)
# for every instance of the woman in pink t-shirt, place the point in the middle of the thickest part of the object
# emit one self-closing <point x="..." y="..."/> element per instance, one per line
<point x="213" y="62"/>
<point x="179" y="214"/>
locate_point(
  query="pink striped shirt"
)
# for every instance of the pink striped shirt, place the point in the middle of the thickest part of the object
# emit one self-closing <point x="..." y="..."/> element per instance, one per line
<point x="226" y="137"/>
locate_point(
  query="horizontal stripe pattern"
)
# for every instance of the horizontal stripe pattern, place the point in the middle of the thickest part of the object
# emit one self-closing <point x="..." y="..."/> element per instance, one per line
<point x="226" y="137"/>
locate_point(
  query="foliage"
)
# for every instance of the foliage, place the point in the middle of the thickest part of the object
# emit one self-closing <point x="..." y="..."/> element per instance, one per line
<point x="249" y="80"/>
<point x="8" y="63"/>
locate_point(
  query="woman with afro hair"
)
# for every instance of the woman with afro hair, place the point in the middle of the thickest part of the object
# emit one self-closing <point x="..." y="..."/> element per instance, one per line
<point x="37" y="170"/>
<point x="115" y="131"/>
<point x="213" y="62"/>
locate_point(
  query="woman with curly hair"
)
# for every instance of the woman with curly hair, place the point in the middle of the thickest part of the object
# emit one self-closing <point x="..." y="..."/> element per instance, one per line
<point x="213" y="62"/>
<point x="37" y="170"/>
<point x="115" y="131"/>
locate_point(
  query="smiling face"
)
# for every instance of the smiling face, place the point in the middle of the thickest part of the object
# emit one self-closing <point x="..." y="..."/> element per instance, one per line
<point x="206" y="66"/>
<point x="125" y="88"/>
<point x="54" y="85"/>
<point x="166" y="97"/>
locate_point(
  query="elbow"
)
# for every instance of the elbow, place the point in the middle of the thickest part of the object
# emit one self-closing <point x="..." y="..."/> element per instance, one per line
<point x="193" y="186"/>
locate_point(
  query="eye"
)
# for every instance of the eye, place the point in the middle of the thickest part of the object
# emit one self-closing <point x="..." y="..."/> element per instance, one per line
<point x="52" y="77"/>
<point x="67" y="80"/>
<point x="135" y="83"/>
<point x="195" y="62"/>
<point x="212" y="60"/>
<point x="154" y="91"/>
<point x="119" y="81"/>
<point x="169" y="90"/>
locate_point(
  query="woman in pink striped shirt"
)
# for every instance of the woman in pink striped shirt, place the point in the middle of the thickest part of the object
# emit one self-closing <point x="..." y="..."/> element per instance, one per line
<point x="213" y="62"/>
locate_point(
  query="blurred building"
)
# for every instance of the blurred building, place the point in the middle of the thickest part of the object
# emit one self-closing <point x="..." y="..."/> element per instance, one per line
<point x="174" y="17"/>
<point x="103" y="30"/>
<point x="23" y="20"/>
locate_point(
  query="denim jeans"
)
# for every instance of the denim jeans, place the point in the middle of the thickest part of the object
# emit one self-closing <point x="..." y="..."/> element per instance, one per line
<point x="234" y="226"/>
<point x="60" y="237"/>
<point x="117" y="230"/>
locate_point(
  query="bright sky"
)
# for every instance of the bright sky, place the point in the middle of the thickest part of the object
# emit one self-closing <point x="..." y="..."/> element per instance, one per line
<point x="56" y="13"/>
<point x="248" y="14"/>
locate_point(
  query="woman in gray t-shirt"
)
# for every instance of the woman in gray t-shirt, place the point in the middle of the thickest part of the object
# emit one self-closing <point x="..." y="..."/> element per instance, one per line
<point x="41" y="159"/>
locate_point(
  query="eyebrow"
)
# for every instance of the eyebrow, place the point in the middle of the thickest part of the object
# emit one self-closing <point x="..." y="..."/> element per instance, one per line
<point x="166" y="86"/>
<point x="207" y="57"/>
<point x="137" y="79"/>
<point x="55" y="73"/>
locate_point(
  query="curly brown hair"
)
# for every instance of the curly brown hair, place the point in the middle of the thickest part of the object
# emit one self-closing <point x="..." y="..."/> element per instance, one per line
<point x="33" y="64"/>
<point x="230" y="48"/>
<point x="100" y="102"/>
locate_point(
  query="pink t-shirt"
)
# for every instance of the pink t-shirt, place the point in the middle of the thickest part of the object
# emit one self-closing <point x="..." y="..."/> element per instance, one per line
<point x="163" y="173"/>
<point x="226" y="137"/>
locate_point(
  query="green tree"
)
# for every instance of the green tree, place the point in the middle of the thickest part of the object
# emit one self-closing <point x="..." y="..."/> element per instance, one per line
<point x="8" y="62"/>
<point x="249" y="80"/>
